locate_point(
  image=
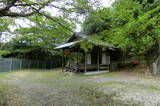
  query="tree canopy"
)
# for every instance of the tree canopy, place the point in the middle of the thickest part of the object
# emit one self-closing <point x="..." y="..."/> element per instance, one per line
<point x="48" y="28"/>
<point x="131" y="25"/>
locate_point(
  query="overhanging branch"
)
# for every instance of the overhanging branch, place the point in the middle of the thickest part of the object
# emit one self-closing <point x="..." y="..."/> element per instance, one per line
<point x="49" y="17"/>
<point x="15" y="3"/>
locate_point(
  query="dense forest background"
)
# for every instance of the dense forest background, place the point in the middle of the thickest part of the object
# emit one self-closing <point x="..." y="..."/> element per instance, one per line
<point x="133" y="26"/>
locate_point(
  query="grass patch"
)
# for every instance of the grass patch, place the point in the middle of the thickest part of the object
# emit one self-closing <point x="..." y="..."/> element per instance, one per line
<point x="4" y="75"/>
<point x="10" y="96"/>
<point x="59" y="80"/>
<point x="96" y="98"/>
<point x="4" y="90"/>
<point x="93" y="97"/>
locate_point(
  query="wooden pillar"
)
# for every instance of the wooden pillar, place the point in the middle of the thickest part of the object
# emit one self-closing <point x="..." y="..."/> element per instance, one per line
<point x="63" y="61"/>
<point x="85" y="63"/>
<point x="98" y="58"/>
<point x="77" y="60"/>
<point x="154" y="68"/>
<point x="77" y="57"/>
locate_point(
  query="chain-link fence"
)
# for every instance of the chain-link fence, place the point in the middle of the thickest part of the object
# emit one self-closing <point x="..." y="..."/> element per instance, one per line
<point x="9" y="64"/>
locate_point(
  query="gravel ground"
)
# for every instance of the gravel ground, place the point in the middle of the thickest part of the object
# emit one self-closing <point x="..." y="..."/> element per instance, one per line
<point x="131" y="95"/>
<point x="143" y="92"/>
<point x="105" y="80"/>
<point x="36" y="89"/>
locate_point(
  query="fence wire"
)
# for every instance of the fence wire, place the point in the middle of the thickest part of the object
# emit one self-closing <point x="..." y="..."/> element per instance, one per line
<point x="10" y="64"/>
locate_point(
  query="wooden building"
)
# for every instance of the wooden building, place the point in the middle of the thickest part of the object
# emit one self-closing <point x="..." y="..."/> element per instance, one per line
<point x="95" y="60"/>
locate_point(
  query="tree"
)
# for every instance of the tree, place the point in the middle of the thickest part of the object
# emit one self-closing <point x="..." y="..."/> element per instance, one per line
<point x="45" y="32"/>
<point x="131" y="26"/>
<point x="24" y="7"/>
<point x="28" y="7"/>
<point x="48" y="29"/>
<point x="39" y="38"/>
<point x="97" y="21"/>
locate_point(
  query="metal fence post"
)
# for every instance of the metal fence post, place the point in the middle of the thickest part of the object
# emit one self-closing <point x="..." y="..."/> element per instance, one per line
<point x="45" y="64"/>
<point x="29" y="64"/>
<point x="20" y="64"/>
<point x="38" y="64"/>
<point x="11" y="65"/>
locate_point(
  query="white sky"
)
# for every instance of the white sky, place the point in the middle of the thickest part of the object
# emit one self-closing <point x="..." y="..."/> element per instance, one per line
<point x="21" y="22"/>
<point x="107" y="3"/>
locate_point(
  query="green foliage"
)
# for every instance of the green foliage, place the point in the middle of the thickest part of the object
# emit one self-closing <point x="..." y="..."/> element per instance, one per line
<point x="45" y="33"/>
<point x="85" y="6"/>
<point x="48" y="30"/>
<point x="128" y="25"/>
<point x="39" y="39"/>
<point x="82" y="6"/>
<point x="86" y="45"/>
<point x="131" y="25"/>
<point x="97" y="21"/>
<point x="3" y="52"/>
<point x="4" y="23"/>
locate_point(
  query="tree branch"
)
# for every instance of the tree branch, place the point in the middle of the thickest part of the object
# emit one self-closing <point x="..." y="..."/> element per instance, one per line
<point x="49" y="17"/>
<point x="6" y="11"/>
<point x="12" y="14"/>
<point x="14" y="3"/>
<point x="8" y="6"/>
